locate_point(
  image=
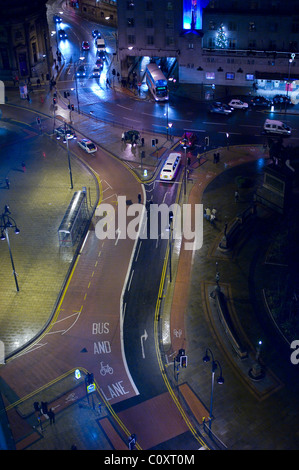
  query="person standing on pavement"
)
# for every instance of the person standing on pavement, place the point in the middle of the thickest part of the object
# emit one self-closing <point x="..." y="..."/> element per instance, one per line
<point x="51" y="415"/>
<point x="237" y="196"/>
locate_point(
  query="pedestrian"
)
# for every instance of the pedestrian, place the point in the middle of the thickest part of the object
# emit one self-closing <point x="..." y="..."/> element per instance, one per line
<point x="51" y="415"/>
<point x="38" y="83"/>
<point x="28" y="98"/>
<point x="44" y="406"/>
<point x="208" y="213"/>
<point x="7" y="183"/>
<point x="24" y="167"/>
<point x="237" y="196"/>
<point x="43" y="77"/>
<point x="198" y="158"/>
<point x="215" y="158"/>
<point x="100" y="407"/>
<point x="212" y="218"/>
<point x="36" y="406"/>
<point x="139" y="198"/>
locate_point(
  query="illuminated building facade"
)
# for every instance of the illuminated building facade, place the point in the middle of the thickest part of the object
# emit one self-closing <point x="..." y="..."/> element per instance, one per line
<point x="219" y="42"/>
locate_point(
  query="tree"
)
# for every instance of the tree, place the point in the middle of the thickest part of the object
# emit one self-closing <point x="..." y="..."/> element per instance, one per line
<point x="221" y="39"/>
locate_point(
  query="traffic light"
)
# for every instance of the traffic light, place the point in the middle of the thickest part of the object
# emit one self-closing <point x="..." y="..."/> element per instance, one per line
<point x="54" y="100"/>
<point x="73" y="107"/>
<point x="183" y="361"/>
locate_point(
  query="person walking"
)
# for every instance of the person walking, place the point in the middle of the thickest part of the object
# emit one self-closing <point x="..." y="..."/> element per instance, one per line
<point x="51" y="415"/>
<point x="7" y="183"/>
<point x="237" y="196"/>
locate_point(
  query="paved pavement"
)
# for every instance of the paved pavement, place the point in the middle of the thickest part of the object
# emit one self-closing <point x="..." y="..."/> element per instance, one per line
<point x="247" y="414"/>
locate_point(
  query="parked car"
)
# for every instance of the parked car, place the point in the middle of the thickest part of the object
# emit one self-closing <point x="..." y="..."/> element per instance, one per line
<point x="238" y="104"/>
<point x="260" y="101"/>
<point x="282" y="99"/>
<point x="87" y="145"/>
<point x="220" y="108"/>
<point x="81" y="72"/>
<point x="64" y="133"/>
<point x="62" y="34"/>
<point x="132" y="137"/>
<point x="96" y="73"/>
<point x="85" y="46"/>
<point x="272" y="126"/>
<point x="188" y="139"/>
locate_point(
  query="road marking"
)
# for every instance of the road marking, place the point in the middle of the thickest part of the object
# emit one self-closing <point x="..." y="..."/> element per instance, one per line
<point x="143" y="337"/>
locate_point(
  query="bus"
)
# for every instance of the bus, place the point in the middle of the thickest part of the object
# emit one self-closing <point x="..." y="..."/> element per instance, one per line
<point x="156" y="82"/>
<point x="170" y="167"/>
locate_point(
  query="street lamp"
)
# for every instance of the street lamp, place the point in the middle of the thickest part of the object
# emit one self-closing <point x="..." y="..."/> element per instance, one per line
<point x="66" y="141"/>
<point x="7" y="222"/>
<point x="75" y="68"/>
<point x="288" y="83"/>
<point x="220" y="379"/>
<point x="185" y="170"/>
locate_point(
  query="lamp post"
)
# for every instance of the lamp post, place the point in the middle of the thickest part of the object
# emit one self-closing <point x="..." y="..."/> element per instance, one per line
<point x="288" y="83"/>
<point x="76" y="84"/>
<point x="220" y="380"/>
<point x="185" y="169"/>
<point x="6" y="223"/>
<point x="66" y="141"/>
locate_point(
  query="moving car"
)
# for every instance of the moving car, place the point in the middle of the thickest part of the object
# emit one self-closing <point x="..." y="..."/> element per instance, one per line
<point x="64" y="133"/>
<point x="62" y="34"/>
<point x="171" y="167"/>
<point x="96" y="33"/>
<point x="260" y="101"/>
<point x="96" y="73"/>
<point x="272" y="126"/>
<point x="131" y="137"/>
<point x="101" y="54"/>
<point x="220" y="108"/>
<point x="188" y="139"/>
<point x="85" y="46"/>
<point x="87" y="145"/>
<point x="99" y="63"/>
<point x="100" y="44"/>
<point x="238" y="104"/>
<point x="81" y="72"/>
<point x="57" y="19"/>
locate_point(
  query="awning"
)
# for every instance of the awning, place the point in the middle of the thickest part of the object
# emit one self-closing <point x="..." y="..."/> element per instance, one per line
<point x="275" y="76"/>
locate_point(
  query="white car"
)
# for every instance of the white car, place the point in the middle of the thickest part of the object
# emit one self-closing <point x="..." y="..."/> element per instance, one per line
<point x="87" y="145"/>
<point x="238" y="104"/>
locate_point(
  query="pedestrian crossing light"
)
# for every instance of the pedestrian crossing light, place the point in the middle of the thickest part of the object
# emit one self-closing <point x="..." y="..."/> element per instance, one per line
<point x="183" y="361"/>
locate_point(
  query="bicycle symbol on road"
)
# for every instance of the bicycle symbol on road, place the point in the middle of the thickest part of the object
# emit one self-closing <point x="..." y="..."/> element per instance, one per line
<point x="105" y="369"/>
<point x="177" y="333"/>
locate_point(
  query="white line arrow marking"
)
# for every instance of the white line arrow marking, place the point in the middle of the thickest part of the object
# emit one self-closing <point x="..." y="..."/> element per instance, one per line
<point x="141" y="340"/>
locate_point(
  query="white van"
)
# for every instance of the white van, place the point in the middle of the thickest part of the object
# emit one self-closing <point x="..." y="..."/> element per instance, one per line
<point x="100" y="44"/>
<point x="276" y="127"/>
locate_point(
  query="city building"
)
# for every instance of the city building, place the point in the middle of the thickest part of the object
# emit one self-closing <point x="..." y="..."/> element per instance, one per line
<point x="24" y="39"/>
<point x="217" y="42"/>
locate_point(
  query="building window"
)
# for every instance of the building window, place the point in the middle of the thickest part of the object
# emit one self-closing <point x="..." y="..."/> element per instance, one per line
<point x="150" y="40"/>
<point x="252" y="44"/>
<point x="211" y="43"/>
<point x="130" y="22"/>
<point x="210" y="75"/>
<point x="149" y="6"/>
<point x="131" y="39"/>
<point x="232" y="26"/>
<point x="251" y="26"/>
<point x="130" y="5"/>
<point x="249" y="76"/>
<point x="169" y="6"/>
<point x="230" y="76"/>
<point x="231" y="42"/>
<point x="212" y="25"/>
<point x="149" y="22"/>
<point x="169" y="40"/>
